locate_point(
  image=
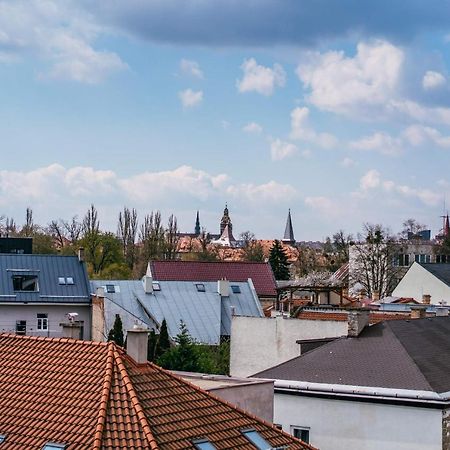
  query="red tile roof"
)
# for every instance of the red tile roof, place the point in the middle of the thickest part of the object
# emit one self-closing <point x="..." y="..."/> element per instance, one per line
<point x="260" y="273"/>
<point x="93" y="396"/>
<point x="374" y="316"/>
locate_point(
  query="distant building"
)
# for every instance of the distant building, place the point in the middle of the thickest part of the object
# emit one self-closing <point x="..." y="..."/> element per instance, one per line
<point x="288" y="237"/>
<point x="226" y="221"/>
<point x="18" y="245"/>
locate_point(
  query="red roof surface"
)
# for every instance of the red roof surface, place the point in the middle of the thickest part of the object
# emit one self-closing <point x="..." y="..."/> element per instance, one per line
<point x="90" y="395"/>
<point x="260" y="273"/>
<point x="374" y="316"/>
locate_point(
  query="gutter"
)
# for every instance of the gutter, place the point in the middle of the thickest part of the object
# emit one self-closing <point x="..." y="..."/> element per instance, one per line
<point x="361" y="392"/>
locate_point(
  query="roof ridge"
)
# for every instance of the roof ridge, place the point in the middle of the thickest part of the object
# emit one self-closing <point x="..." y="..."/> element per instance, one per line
<point x="103" y="408"/>
<point x="221" y="400"/>
<point x="135" y="401"/>
<point x="54" y="339"/>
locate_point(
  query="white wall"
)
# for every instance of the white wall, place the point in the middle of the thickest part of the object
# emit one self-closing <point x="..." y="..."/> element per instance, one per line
<point x="345" y="425"/>
<point x="418" y="282"/>
<point x="258" y="343"/>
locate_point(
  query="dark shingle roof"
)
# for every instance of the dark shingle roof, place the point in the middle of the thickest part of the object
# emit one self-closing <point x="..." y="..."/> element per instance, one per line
<point x="412" y="354"/>
<point x="260" y="273"/>
<point x="441" y="271"/>
<point x="91" y="395"/>
<point x="48" y="268"/>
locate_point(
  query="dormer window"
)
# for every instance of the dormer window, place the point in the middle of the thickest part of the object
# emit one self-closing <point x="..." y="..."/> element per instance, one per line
<point x="26" y="283"/>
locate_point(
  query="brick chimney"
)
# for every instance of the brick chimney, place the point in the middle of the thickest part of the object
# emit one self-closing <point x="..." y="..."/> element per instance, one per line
<point x="137" y="343"/>
<point x="81" y="254"/>
<point x="357" y="321"/>
<point x="375" y="296"/>
<point x="418" y="311"/>
<point x="426" y="299"/>
<point x="223" y="288"/>
<point x="98" y="331"/>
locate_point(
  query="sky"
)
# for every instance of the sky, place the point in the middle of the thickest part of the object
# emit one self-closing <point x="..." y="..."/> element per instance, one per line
<point x="338" y="110"/>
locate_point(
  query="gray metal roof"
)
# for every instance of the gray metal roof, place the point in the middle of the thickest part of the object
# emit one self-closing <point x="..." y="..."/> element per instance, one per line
<point x="397" y="354"/>
<point x="206" y="315"/>
<point x="47" y="268"/>
<point x="441" y="271"/>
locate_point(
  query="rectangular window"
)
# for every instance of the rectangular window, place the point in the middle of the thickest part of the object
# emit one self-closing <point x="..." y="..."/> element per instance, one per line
<point x="256" y="439"/>
<point x="42" y="322"/>
<point x="203" y="444"/>
<point x="69" y="280"/>
<point x="21" y="327"/>
<point x="200" y="287"/>
<point x="53" y="446"/>
<point x="110" y="289"/>
<point x="417" y="258"/>
<point x="301" y="433"/>
<point x="235" y="289"/>
<point x="28" y="283"/>
<point x="61" y="280"/>
<point x="156" y="286"/>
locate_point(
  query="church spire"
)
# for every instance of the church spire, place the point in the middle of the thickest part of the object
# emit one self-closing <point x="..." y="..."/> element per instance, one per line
<point x="225" y="221"/>
<point x="289" y="231"/>
<point x="446" y="226"/>
<point x="197" y="225"/>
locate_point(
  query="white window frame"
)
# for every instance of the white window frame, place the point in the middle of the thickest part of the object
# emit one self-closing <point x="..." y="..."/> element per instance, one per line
<point x="42" y="322"/>
<point x="293" y="428"/>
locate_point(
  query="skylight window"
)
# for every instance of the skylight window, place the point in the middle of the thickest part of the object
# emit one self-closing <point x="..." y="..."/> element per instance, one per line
<point x="61" y="280"/>
<point x="235" y="289"/>
<point x="69" y="280"/>
<point x="200" y="287"/>
<point x="53" y="446"/>
<point x="203" y="444"/>
<point x="256" y="439"/>
<point x="110" y="289"/>
<point x="156" y="286"/>
<point x="2" y="438"/>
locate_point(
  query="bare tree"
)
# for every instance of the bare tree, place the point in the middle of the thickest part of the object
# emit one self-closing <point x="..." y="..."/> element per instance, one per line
<point x="411" y="227"/>
<point x="73" y="229"/>
<point x="29" y="227"/>
<point x="171" y="238"/>
<point x="126" y="232"/>
<point x="56" y="229"/>
<point x="251" y="249"/>
<point x="151" y="239"/>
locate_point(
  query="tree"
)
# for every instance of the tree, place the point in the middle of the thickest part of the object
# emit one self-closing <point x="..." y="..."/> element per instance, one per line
<point x="252" y="250"/>
<point x="171" y="238"/>
<point x="151" y="240"/>
<point x="116" y="332"/>
<point x="163" y="341"/>
<point x="151" y="345"/>
<point x="278" y="261"/>
<point x="207" y="253"/>
<point x="411" y="227"/>
<point x="371" y="261"/>
<point x="29" y="227"/>
<point x="126" y="232"/>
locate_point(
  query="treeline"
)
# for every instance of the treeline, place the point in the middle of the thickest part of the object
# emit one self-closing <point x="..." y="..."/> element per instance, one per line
<point x="120" y="255"/>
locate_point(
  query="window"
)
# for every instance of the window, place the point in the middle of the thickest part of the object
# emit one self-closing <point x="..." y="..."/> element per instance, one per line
<point x="402" y="260"/>
<point x="442" y="259"/>
<point x="235" y="289"/>
<point x="156" y="286"/>
<point x="200" y="287"/>
<point x="21" y="327"/>
<point x="301" y="433"/>
<point x="42" y="322"/>
<point x="110" y="289"/>
<point x="256" y="439"/>
<point x="53" y="446"/>
<point x="27" y="283"/>
<point x="203" y="444"/>
<point x="69" y="280"/>
<point x="2" y="438"/>
<point x="61" y="280"/>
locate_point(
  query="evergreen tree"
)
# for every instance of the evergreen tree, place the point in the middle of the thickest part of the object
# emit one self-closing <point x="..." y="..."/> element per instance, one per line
<point x="152" y="343"/>
<point x="116" y="332"/>
<point x="279" y="262"/>
<point x="163" y="341"/>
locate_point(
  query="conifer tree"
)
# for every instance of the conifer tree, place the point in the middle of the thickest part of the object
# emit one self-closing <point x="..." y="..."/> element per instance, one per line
<point x="163" y="343"/>
<point x="279" y="261"/>
<point x="152" y="343"/>
<point x="116" y="332"/>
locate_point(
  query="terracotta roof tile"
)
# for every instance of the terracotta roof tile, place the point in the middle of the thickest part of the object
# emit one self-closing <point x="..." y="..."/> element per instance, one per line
<point x="93" y="396"/>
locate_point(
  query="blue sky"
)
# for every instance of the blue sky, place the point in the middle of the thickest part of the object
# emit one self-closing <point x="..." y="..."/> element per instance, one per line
<point x="337" y="110"/>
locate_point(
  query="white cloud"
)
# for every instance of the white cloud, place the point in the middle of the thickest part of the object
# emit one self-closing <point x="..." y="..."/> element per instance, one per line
<point x="253" y="127"/>
<point x="191" y="68"/>
<point x="418" y="135"/>
<point x="324" y="205"/>
<point x="370" y="180"/>
<point x="190" y="98"/>
<point x="379" y="142"/>
<point x="281" y="149"/>
<point x="58" y="33"/>
<point x="302" y="130"/>
<point x="433" y="80"/>
<point x="347" y="162"/>
<point x="267" y="192"/>
<point x="260" y="79"/>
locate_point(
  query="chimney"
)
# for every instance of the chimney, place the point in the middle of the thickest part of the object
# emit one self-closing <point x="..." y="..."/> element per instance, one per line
<point x="426" y="299"/>
<point x="375" y="296"/>
<point x="442" y="311"/>
<point x="98" y="316"/>
<point x="357" y="320"/>
<point x="418" y="311"/>
<point x="81" y="254"/>
<point x="72" y="330"/>
<point x="137" y="343"/>
<point x="223" y="288"/>
<point x="147" y="281"/>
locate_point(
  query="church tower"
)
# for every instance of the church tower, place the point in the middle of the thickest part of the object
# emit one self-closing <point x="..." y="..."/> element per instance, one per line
<point x="197" y="225"/>
<point x="289" y="231"/>
<point x="226" y="221"/>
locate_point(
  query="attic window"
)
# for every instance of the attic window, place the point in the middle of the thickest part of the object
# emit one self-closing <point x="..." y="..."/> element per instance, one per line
<point x="203" y="444"/>
<point x="61" y="280"/>
<point x="156" y="286"/>
<point x="53" y="446"/>
<point x="256" y="439"/>
<point x="200" y="287"/>
<point x="110" y="289"/>
<point x="69" y="280"/>
<point x="235" y="289"/>
<point x="27" y="283"/>
<point x="2" y="438"/>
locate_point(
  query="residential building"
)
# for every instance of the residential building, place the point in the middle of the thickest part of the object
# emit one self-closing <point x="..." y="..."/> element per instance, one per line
<point x="20" y="245"/>
<point x="38" y="291"/>
<point x="79" y="395"/>
<point x="381" y="387"/>
<point x="205" y="307"/>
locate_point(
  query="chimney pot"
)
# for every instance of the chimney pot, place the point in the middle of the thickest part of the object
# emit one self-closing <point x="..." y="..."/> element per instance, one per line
<point x="137" y="343"/>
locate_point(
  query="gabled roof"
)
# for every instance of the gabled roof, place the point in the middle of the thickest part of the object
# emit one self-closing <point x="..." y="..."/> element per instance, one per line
<point x="206" y="315"/>
<point x="260" y="273"/>
<point x="412" y="355"/>
<point x="48" y="269"/>
<point x="440" y="271"/>
<point x="91" y="395"/>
